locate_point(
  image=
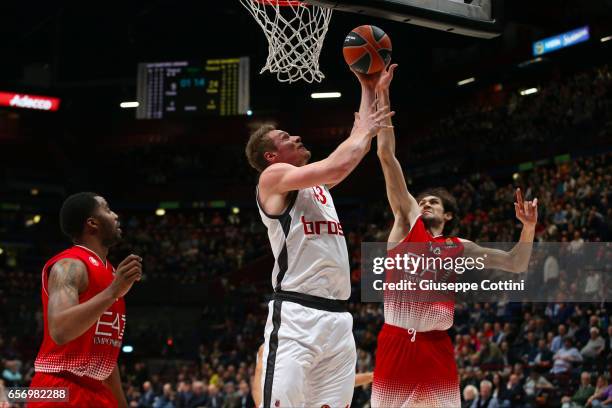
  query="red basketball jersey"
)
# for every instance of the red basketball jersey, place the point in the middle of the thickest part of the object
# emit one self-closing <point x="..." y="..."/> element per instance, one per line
<point x="94" y="353"/>
<point x="400" y="307"/>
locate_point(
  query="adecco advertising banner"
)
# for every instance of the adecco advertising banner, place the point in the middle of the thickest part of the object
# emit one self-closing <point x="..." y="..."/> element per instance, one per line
<point x="24" y="101"/>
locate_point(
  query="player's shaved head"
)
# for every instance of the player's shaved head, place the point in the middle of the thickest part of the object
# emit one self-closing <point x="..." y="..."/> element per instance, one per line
<point x="75" y="211"/>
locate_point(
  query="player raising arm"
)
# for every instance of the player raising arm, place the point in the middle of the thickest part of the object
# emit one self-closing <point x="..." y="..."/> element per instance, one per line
<point x="424" y="220"/>
<point x="309" y="351"/>
<point x="406" y="209"/>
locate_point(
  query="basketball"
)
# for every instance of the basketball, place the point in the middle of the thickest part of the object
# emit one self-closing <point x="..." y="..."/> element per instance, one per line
<point x="367" y="49"/>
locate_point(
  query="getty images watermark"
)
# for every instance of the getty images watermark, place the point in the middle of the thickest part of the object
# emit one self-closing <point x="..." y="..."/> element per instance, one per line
<point x="554" y="272"/>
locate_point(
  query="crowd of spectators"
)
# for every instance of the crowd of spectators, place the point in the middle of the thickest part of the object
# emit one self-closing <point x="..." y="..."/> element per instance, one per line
<point x="194" y="247"/>
<point x="563" y="112"/>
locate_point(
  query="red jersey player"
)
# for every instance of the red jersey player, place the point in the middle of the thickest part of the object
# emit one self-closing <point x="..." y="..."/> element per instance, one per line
<point x="84" y="311"/>
<point x="415" y="365"/>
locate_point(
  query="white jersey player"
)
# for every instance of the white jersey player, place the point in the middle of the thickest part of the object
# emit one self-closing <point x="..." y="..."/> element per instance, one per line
<point x="309" y="351"/>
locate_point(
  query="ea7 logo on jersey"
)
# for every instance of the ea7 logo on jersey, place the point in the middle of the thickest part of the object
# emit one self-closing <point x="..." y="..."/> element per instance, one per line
<point x="109" y="329"/>
<point x="321" y="227"/>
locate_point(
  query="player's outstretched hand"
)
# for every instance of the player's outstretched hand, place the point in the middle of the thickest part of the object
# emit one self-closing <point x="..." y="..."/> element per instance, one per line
<point x="128" y="272"/>
<point x="386" y="76"/>
<point x="368" y="80"/>
<point x="374" y="121"/>
<point x="526" y="211"/>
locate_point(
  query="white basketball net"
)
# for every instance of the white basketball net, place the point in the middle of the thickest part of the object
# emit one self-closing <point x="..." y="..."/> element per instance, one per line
<point x="295" y="33"/>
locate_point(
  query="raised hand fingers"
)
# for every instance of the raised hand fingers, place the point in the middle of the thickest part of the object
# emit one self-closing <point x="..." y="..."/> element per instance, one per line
<point x="135" y="273"/>
<point x="379" y="110"/>
<point x="518" y="209"/>
<point x="128" y="265"/>
<point x="519" y="197"/>
<point x="382" y="114"/>
<point x="128" y="259"/>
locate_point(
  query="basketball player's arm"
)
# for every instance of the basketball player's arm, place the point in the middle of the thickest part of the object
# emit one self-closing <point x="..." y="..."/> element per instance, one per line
<point x="517" y="259"/>
<point x="114" y="383"/>
<point x="280" y="178"/>
<point x="256" y="383"/>
<point x="403" y="204"/>
<point x="363" y="379"/>
<point x="67" y="318"/>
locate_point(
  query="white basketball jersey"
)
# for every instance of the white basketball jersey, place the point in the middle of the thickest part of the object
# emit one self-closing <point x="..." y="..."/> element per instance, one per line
<point x="309" y="246"/>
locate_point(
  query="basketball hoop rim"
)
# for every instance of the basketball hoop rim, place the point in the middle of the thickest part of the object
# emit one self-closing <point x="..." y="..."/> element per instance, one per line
<point x="281" y="3"/>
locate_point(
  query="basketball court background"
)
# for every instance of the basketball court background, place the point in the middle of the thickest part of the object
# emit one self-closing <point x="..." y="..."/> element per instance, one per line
<point x="184" y="191"/>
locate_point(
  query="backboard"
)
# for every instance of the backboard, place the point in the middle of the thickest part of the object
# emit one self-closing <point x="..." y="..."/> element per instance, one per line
<point x="476" y="18"/>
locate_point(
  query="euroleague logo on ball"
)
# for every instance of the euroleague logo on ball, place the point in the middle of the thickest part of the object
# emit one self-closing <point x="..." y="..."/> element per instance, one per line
<point x="93" y="261"/>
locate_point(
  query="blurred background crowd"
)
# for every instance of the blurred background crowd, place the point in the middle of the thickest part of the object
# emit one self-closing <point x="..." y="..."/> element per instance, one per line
<point x="196" y="320"/>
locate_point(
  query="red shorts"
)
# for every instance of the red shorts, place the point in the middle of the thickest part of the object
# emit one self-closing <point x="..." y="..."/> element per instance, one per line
<point x="419" y="373"/>
<point x="82" y="391"/>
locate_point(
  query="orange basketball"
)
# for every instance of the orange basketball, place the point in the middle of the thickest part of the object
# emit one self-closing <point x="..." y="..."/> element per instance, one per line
<point x="367" y="49"/>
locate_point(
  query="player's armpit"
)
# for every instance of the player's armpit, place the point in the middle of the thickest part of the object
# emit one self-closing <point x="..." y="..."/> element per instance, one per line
<point x="401" y="228"/>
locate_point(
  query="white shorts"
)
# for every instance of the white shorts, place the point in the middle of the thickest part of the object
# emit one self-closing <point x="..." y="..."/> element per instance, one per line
<point x="309" y="357"/>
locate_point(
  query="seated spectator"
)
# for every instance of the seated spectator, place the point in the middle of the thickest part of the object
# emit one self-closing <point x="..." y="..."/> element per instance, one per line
<point x="485" y="399"/>
<point x="498" y="385"/>
<point x="544" y="357"/>
<point x="148" y="395"/>
<point x="199" y="395"/>
<point x="489" y="355"/>
<point x="167" y="399"/>
<point x="529" y="348"/>
<point x="602" y="397"/>
<point x="215" y="399"/>
<point x="595" y="346"/>
<point x="232" y="398"/>
<point x="469" y="396"/>
<point x="244" y="395"/>
<point x="513" y="394"/>
<point x="184" y="394"/>
<point x="563" y="359"/>
<point x="582" y="394"/>
<point x="537" y="388"/>
<point x="557" y="342"/>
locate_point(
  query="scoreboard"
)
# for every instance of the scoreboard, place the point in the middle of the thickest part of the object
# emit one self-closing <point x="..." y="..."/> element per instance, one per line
<point x="214" y="87"/>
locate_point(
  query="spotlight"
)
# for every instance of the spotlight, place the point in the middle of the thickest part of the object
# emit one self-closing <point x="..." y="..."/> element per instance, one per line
<point x="529" y="91"/>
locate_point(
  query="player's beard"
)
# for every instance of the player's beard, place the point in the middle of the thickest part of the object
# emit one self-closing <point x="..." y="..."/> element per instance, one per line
<point x="432" y="222"/>
<point x="110" y="234"/>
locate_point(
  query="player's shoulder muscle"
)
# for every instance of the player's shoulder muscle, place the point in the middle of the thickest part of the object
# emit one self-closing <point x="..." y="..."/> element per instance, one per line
<point x="68" y="272"/>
